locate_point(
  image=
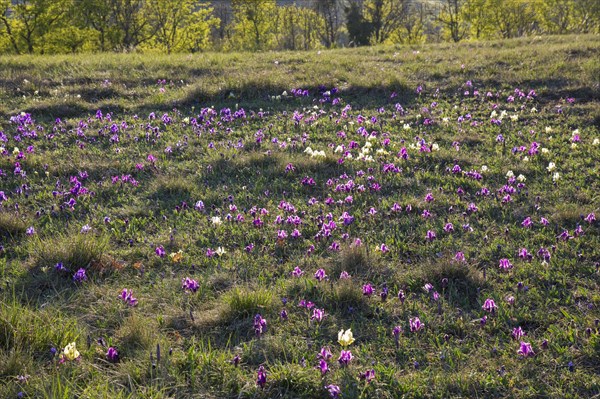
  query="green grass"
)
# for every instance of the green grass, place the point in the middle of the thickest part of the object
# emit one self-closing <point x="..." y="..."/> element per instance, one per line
<point x="181" y="344"/>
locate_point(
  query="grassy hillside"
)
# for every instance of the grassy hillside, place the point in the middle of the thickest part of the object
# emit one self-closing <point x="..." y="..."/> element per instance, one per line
<point x="196" y="232"/>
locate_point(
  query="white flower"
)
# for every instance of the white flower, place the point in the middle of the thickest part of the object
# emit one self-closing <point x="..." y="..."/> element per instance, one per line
<point x="493" y="114"/>
<point x="308" y="151"/>
<point x="446" y="119"/>
<point x="555" y="176"/>
<point x="368" y="144"/>
<point x="548" y="129"/>
<point x="551" y="166"/>
<point x="576" y="131"/>
<point x="339" y="148"/>
<point x="525" y="159"/>
<point x="216" y="220"/>
<point x="545" y="150"/>
<point x="406" y="126"/>
<point x="16" y="150"/>
<point x="596" y="141"/>
<point x="533" y="110"/>
<point x="435" y="147"/>
<point x="573" y="145"/>
<point x="484" y="168"/>
<point x="220" y="251"/>
<point x="510" y="174"/>
<point x="514" y="117"/>
<point x="521" y="178"/>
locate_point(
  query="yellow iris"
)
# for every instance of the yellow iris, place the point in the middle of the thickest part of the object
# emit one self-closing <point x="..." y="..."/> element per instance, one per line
<point x="176" y="257"/>
<point x="70" y="352"/>
<point x="345" y="338"/>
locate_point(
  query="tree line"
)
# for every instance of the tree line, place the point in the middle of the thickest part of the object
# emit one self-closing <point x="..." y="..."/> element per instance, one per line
<point x="72" y="26"/>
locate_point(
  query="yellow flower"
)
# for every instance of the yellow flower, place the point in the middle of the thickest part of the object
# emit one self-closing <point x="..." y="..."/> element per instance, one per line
<point x="345" y="338"/>
<point x="70" y="352"/>
<point x="176" y="257"/>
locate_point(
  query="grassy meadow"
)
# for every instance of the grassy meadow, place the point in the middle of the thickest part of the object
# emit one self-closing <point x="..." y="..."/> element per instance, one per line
<point x="211" y="225"/>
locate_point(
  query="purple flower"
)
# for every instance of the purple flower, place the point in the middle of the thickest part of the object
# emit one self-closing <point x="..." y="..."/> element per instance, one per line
<point x="527" y="223"/>
<point x="505" y="264"/>
<point x="236" y="360"/>
<point x="160" y="251"/>
<point x="517" y="333"/>
<point x="430" y="236"/>
<point x="415" y="324"/>
<point x="79" y="276"/>
<point x="323" y="367"/>
<point x="318" y="315"/>
<point x="320" y="275"/>
<point x="189" y="284"/>
<point x="384" y="293"/>
<point x="297" y="272"/>
<point x="127" y="296"/>
<point x="368" y="375"/>
<point x="283" y="314"/>
<point x="524" y="254"/>
<point x="112" y="355"/>
<point x="396" y="332"/>
<point x="261" y="377"/>
<point x="260" y="325"/>
<point x="344" y="275"/>
<point x="489" y="305"/>
<point x="345" y="357"/>
<point x="525" y="349"/>
<point x="590" y="218"/>
<point x="334" y="391"/>
<point x="367" y="290"/>
<point x="30" y="231"/>
<point x="459" y="257"/>
<point x="401" y="296"/>
<point x="59" y="267"/>
<point x="325" y="353"/>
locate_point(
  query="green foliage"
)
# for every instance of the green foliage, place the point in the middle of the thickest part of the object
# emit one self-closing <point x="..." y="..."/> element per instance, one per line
<point x="202" y="123"/>
<point x="172" y="26"/>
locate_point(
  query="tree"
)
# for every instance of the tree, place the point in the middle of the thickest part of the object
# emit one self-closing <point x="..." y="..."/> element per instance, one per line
<point x="477" y="16"/>
<point x="97" y="16"/>
<point x="8" y="27"/>
<point x="253" y="23"/>
<point x="330" y="12"/>
<point x="451" y="17"/>
<point x="513" y="18"/>
<point x="179" y="24"/>
<point x="358" y="27"/>
<point x="586" y="16"/>
<point x="384" y="17"/>
<point x="31" y="20"/>
<point x="133" y="28"/>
